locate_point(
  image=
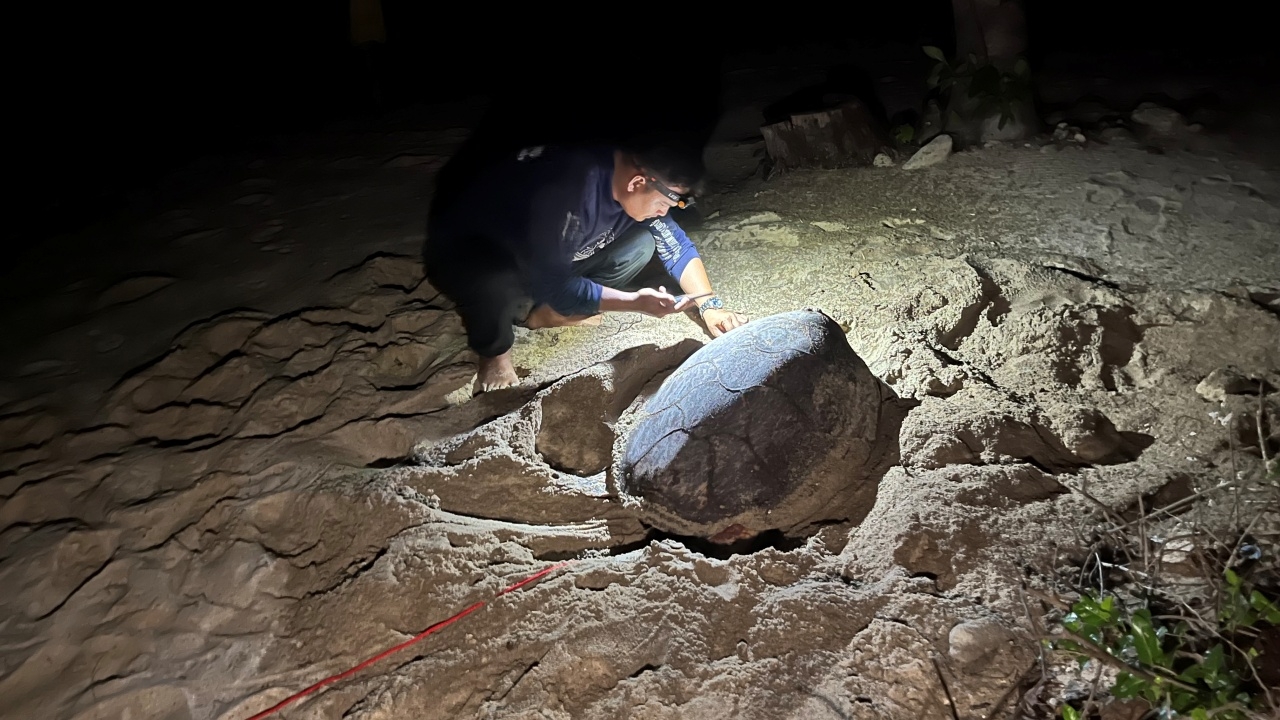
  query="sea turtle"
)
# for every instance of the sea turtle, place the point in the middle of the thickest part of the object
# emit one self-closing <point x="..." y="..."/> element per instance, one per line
<point x="758" y="430"/>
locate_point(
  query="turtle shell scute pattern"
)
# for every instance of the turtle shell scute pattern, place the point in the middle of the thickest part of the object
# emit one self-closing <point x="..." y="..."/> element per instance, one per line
<point x="739" y="424"/>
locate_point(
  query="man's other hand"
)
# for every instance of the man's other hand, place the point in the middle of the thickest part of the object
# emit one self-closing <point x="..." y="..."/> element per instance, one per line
<point x="658" y="303"/>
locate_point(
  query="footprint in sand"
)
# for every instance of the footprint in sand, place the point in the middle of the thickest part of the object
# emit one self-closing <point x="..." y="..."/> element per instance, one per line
<point x="266" y="231"/>
<point x="46" y="368"/>
<point x="106" y="343"/>
<point x="193" y="238"/>
<point x="1151" y="216"/>
<point x="283" y="248"/>
<point x="257" y="183"/>
<point x="408" y="160"/>
<point x="132" y="289"/>
<point x="255" y="199"/>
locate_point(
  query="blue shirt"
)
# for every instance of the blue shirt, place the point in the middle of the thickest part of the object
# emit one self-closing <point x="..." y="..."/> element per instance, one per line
<point x="552" y="206"/>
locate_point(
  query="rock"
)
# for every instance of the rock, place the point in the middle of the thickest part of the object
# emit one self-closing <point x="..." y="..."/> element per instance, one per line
<point x="938" y="233"/>
<point x="1124" y="710"/>
<point x="846" y="135"/>
<point x="1230" y="381"/>
<point x="1022" y="125"/>
<point x="897" y="222"/>
<point x="882" y="160"/>
<point x="1067" y="133"/>
<point x="1116" y="135"/>
<point x="976" y="640"/>
<point x="1158" y="120"/>
<point x="937" y="151"/>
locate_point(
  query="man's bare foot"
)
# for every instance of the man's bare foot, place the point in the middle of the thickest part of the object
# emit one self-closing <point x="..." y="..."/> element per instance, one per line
<point x="495" y="373"/>
<point x="545" y="317"/>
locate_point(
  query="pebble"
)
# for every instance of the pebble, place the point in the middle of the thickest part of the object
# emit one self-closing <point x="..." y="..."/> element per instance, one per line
<point x="937" y="151"/>
<point x="975" y="640"/>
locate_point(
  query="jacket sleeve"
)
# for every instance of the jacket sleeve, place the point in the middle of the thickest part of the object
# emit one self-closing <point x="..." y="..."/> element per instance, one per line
<point x="675" y="249"/>
<point x="548" y="260"/>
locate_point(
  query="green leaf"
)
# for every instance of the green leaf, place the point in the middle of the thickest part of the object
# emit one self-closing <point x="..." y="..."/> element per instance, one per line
<point x="1068" y="645"/>
<point x="1213" y="660"/>
<point x="1267" y="609"/>
<point x="1128" y="686"/>
<point x="935" y="53"/>
<point x="1145" y="640"/>
<point x="1070" y="713"/>
<point x="1153" y="693"/>
<point x="1199" y="714"/>
<point x="1232" y="578"/>
<point x="1181" y="702"/>
<point x="1090" y="615"/>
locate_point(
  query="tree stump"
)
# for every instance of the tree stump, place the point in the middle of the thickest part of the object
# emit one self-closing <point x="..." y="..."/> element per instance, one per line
<point x="844" y="136"/>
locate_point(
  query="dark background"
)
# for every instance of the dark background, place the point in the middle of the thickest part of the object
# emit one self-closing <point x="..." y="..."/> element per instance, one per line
<point x="107" y="99"/>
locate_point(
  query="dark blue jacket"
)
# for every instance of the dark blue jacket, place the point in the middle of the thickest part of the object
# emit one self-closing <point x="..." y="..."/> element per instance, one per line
<point x="550" y="206"/>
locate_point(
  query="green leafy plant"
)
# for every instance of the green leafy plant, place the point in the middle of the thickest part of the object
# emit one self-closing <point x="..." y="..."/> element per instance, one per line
<point x="991" y="89"/>
<point x="904" y="134"/>
<point x="1178" y="670"/>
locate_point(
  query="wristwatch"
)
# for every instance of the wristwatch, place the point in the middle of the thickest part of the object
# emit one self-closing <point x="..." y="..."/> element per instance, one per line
<point x="711" y="303"/>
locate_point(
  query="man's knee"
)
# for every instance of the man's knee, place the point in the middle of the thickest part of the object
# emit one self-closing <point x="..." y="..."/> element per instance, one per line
<point x="637" y="246"/>
<point x="625" y="259"/>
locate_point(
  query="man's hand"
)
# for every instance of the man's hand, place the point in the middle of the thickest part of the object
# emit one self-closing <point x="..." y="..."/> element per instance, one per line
<point x="722" y="321"/>
<point x="658" y="303"/>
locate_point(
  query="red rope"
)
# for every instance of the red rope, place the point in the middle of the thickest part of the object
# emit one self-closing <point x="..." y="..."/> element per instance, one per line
<point x="415" y="639"/>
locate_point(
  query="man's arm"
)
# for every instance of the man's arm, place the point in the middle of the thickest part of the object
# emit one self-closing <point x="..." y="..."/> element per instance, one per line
<point x="681" y="259"/>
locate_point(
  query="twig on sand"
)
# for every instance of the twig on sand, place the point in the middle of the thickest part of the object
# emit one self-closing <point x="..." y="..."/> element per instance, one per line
<point x="1262" y="438"/>
<point x="951" y="703"/>
<point x="1038" y="629"/>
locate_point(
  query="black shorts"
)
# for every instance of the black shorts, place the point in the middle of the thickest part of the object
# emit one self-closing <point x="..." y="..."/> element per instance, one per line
<point x="482" y="279"/>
